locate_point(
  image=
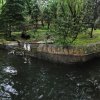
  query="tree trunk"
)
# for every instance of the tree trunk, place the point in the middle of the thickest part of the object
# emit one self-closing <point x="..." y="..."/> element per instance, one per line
<point x="91" y="33"/>
<point x="42" y="22"/>
<point x="9" y="31"/>
<point x="36" y="24"/>
<point x="48" y="25"/>
<point x="6" y="30"/>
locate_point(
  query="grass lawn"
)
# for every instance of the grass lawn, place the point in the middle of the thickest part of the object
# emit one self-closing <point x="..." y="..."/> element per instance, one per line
<point x="83" y="38"/>
<point x="37" y="36"/>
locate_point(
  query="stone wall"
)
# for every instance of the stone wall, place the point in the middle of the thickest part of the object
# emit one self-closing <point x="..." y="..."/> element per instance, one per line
<point x="59" y="54"/>
<point x="71" y="54"/>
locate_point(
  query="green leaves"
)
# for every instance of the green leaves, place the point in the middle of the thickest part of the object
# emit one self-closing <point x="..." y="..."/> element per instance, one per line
<point x="12" y="14"/>
<point x="69" y="21"/>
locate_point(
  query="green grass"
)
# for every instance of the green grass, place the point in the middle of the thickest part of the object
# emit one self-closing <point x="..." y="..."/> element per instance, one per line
<point x="84" y="39"/>
<point x="39" y="35"/>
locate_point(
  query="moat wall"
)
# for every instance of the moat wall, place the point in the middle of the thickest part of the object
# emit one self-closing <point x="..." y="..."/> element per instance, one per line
<point x="58" y="54"/>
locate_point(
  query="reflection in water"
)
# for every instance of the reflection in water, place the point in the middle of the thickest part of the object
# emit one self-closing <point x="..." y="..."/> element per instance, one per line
<point x="11" y="52"/>
<point x="27" y="47"/>
<point x="24" y="78"/>
<point x="5" y="96"/>
<point x="8" y="88"/>
<point x="10" y="70"/>
<point x="27" y="60"/>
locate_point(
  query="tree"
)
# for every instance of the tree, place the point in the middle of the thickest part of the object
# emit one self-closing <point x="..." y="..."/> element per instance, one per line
<point x="42" y="4"/>
<point x="12" y="14"/>
<point x="91" y="14"/>
<point x="48" y="11"/>
<point x="47" y="16"/>
<point x="53" y="7"/>
<point x="69" y="21"/>
<point x="35" y="13"/>
<point x="28" y="6"/>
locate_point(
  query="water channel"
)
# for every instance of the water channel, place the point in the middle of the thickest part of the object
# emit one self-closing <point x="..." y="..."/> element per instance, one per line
<point x="25" y="78"/>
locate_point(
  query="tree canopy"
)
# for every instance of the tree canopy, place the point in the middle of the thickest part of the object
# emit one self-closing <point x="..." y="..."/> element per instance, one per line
<point x="65" y="18"/>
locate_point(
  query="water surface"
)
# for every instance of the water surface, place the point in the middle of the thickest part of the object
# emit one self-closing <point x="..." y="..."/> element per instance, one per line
<point x="24" y="78"/>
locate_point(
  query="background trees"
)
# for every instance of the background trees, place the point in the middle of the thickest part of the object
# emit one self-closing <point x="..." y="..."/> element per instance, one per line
<point x="12" y="15"/>
<point x="66" y="18"/>
<point x="91" y="14"/>
<point x="69" y="22"/>
<point x="35" y="14"/>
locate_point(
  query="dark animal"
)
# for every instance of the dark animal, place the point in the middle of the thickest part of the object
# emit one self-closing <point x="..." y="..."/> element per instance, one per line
<point x="25" y="36"/>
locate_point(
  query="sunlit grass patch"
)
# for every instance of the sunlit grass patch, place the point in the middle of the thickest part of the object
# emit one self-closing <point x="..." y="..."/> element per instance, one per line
<point x="84" y="39"/>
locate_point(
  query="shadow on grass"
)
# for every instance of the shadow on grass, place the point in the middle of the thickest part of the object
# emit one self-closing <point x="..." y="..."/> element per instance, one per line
<point x="3" y="36"/>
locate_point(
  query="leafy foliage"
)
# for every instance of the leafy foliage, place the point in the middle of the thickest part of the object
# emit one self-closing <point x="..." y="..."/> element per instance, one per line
<point x="66" y="18"/>
<point x="92" y="10"/>
<point x="35" y="13"/>
<point x="69" y="22"/>
<point x="11" y="14"/>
